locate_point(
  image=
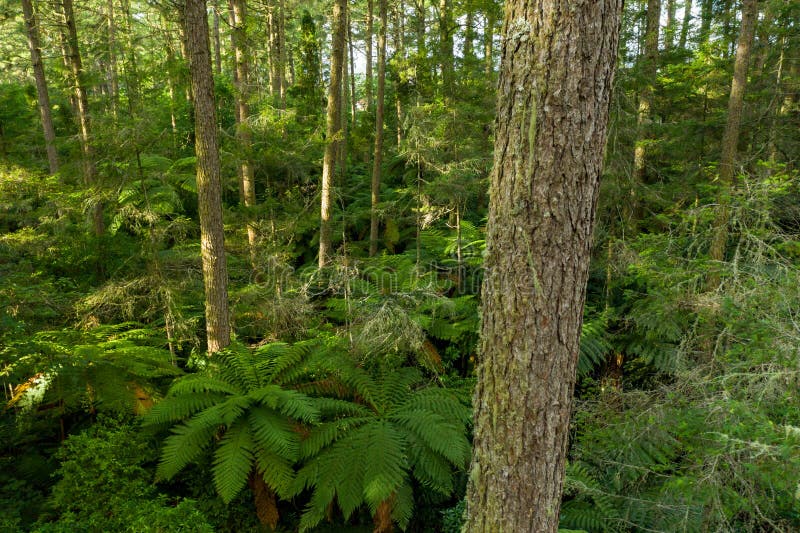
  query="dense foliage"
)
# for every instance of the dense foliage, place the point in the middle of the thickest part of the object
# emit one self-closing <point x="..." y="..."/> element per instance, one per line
<point x="343" y="401"/>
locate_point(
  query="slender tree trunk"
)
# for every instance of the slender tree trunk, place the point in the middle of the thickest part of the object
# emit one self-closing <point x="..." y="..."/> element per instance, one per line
<point x="671" y="25"/>
<point x="133" y="80"/>
<point x="171" y="82"/>
<point x="368" y="43"/>
<point x="242" y="116"/>
<point x="687" y="21"/>
<point x="469" y="35"/>
<point x="217" y="40"/>
<point x="549" y="143"/>
<point x="377" y="160"/>
<point x="353" y="96"/>
<point x="209" y="194"/>
<point x="81" y="98"/>
<point x="419" y="29"/>
<point x="82" y="103"/>
<point x="488" y="43"/>
<point x="63" y="42"/>
<point x="333" y="131"/>
<point x="649" y="70"/>
<point x="400" y="53"/>
<point x="276" y="54"/>
<point x="32" y="25"/>
<point x="706" y="13"/>
<point x="237" y="117"/>
<point x="730" y="139"/>
<point x="446" y="45"/>
<point x="282" y="53"/>
<point x="113" y="77"/>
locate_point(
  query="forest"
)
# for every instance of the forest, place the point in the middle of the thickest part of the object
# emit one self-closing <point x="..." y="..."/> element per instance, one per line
<point x="360" y="265"/>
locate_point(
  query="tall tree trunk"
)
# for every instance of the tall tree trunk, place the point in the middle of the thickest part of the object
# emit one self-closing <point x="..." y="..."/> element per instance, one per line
<point x="217" y="40"/>
<point x="132" y="78"/>
<point x="706" y="14"/>
<point x="277" y="60"/>
<point x="113" y="78"/>
<point x="353" y="96"/>
<point x="79" y="86"/>
<point x="32" y="26"/>
<point x="242" y="116"/>
<point x="469" y="35"/>
<point x="368" y="42"/>
<point x="549" y="143"/>
<point x="488" y="43"/>
<point x="419" y="29"/>
<point x="282" y="52"/>
<point x="237" y="117"/>
<point x="333" y="131"/>
<point x="446" y="45"/>
<point x="730" y="139"/>
<point x="687" y="21"/>
<point x="401" y="54"/>
<point x="671" y="25"/>
<point x="377" y="160"/>
<point x="82" y="103"/>
<point x="649" y="70"/>
<point x="209" y="193"/>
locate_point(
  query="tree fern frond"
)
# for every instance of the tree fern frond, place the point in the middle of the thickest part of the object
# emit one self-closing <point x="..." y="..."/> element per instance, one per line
<point x="439" y="401"/>
<point x="202" y="383"/>
<point x="385" y="461"/>
<point x="276" y="471"/>
<point x="274" y="433"/>
<point x="177" y="408"/>
<point x="233" y="461"/>
<point x="185" y="445"/>
<point x="235" y="364"/>
<point x="325" y="434"/>
<point x="290" y="403"/>
<point x="396" y="385"/>
<point x="403" y="508"/>
<point x="332" y="407"/>
<point x="431" y="469"/>
<point x="438" y="434"/>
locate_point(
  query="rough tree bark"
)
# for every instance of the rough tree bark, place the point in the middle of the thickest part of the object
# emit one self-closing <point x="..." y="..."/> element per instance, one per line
<point x="558" y="61"/>
<point x="32" y="26"/>
<point x="377" y="159"/>
<point x="333" y="131"/>
<point x="209" y="197"/>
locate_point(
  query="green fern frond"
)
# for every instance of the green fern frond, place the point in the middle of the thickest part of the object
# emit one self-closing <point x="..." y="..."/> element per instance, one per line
<point x="274" y="433"/>
<point x="386" y="463"/>
<point x="184" y="446"/>
<point x="276" y="471"/>
<point x="290" y="403"/>
<point x="403" y="508"/>
<point x="437" y="433"/>
<point x="233" y="461"/>
<point x="177" y="408"/>
<point x="202" y="383"/>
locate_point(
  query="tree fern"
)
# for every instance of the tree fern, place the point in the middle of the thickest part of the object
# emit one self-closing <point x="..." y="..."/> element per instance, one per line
<point x="238" y="405"/>
<point x="396" y="430"/>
